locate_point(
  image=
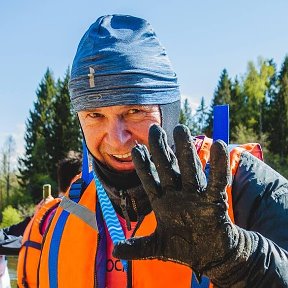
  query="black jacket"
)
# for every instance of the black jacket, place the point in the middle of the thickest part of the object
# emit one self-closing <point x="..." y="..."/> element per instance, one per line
<point x="11" y="237"/>
<point x="260" y="203"/>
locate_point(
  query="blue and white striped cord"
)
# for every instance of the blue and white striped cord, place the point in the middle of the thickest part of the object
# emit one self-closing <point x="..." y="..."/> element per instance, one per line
<point x="110" y="217"/>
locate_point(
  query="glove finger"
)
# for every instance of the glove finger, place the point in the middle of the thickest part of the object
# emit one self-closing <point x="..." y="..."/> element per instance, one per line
<point x="163" y="157"/>
<point x="189" y="163"/>
<point x="136" y="248"/>
<point x="146" y="171"/>
<point x="219" y="175"/>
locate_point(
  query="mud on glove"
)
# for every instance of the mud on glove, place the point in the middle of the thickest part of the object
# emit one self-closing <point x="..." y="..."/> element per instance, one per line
<point x="193" y="226"/>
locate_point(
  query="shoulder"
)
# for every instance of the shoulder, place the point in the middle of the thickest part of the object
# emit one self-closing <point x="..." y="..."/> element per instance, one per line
<point x="260" y="199"/>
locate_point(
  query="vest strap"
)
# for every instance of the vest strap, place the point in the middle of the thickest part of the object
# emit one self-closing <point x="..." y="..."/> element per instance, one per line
<point x="53" y="253"/>
<point x="80" y="211"/>
<point x="110" y="217"/>
<point x="32" y="244"/>
<point x="85" y="165"/>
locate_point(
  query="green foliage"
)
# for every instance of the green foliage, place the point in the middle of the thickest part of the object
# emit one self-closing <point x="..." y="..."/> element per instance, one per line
<point x="52" y="130"/>
<point x="196" y="122"/>
<point x="199" y="119"/>
<point x="35" y="186"/>
<point x="256" y="83"/>
<point x="10" y="216"/>
<point x="242" y="134"/>
<point x="23" y="201"/>
<point x="277" y="163"/>
<point x="258" y="103"/>
<point x="237" y="109"/>
<point x="278" y="114"/>
<point x="64" y="129"/>
<point x="26" y="209"/>
<point x="36" y="158"/>
<point x="255" y="88"/>
<point x="247" y="135"/>
<point x="222" y="93"/>
<point x="186" y="114"/>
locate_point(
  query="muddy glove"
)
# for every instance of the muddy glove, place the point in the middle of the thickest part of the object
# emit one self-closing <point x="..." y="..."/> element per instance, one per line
<point x="193" y="226"/>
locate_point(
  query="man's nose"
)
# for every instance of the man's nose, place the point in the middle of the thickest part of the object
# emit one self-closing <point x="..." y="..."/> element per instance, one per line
<point x="118" y="133"/>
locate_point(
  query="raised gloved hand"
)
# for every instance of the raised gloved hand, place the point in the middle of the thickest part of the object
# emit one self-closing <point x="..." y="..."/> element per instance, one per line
<point x="193" y="226"/>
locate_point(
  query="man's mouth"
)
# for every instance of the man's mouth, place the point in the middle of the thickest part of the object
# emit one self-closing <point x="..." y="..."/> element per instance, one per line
<point x="122" y="157"/>
<point x="120" y="162"/>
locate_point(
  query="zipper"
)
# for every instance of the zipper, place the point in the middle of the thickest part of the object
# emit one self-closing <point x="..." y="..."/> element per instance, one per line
<point x="134" y="206"/>
<point x="129" y="274"/>
<point x="123" y="205"/>
<point x="129" y="270"/>
<point x="98" y="214"/>
<point x="95" y="266"/>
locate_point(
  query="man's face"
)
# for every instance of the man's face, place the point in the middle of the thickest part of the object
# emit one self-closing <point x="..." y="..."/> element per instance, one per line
<point x="111" y="132"/>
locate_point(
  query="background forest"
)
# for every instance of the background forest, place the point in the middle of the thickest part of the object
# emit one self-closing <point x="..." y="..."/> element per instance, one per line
<point x="258" y="102"/>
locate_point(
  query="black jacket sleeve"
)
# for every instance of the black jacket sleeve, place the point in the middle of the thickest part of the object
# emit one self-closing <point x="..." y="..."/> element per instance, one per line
<point x="11" y="238"/>
<point x="260" y="204"/>
<point x="17" y="229"/>
<point x="260" y="200"/>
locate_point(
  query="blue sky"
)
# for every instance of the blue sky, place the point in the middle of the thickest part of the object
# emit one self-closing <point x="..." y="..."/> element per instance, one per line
<point x="201" y="37"/>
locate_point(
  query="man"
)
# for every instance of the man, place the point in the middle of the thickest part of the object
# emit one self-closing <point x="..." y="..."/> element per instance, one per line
<point x="4" y="275"/>
<point x="123" y="88"/>
<point x="68" y="170"/>
<point x="11" y="237"/>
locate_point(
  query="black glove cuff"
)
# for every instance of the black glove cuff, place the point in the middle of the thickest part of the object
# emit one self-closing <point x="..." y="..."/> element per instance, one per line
<point x="231" y="269"/>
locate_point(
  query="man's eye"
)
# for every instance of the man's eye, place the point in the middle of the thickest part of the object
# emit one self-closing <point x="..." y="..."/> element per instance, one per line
<point x="95" y="115"/>
<point x="133" y="111"/>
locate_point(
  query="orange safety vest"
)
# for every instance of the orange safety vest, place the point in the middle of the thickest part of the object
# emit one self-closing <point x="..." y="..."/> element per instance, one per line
<point x="29" y="255"/>
<point x="71" y="253"/>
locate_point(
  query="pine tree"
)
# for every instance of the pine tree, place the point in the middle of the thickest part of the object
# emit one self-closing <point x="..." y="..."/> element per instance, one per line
<point x="237" y="110"/>
<point x="271" y="94"/>
<point x="6" y="164"/>
<point x="51" y="131"/>
<point x="200" y="118"/>
<point x="222" y="95"/>
<point x="65" y="133"/>
<point x="186" y="114"/>
<point x="279" y="114"/>
<point x="34" y="165"/>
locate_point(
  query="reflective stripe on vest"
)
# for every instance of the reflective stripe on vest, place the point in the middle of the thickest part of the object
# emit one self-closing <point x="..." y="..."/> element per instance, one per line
<point x="70" y="207"/>
<point x="62" y="267"/>
<point x="80" y="211"/>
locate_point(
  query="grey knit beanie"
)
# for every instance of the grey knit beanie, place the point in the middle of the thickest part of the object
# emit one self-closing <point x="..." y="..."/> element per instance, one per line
<point x="120" y="61"/>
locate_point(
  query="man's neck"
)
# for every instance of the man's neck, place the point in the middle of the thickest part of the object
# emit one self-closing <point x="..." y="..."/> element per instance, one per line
<point x="121" y="181"/>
